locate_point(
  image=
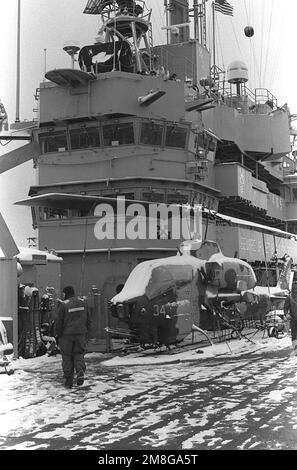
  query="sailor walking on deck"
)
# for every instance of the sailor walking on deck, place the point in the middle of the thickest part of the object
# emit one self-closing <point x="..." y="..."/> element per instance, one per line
<point x="72" y="328"/>
<point x="290" y="308"/>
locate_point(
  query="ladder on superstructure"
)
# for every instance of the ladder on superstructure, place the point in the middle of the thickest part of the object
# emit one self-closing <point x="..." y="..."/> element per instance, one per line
<point x="202" y="15"/>
<point x="199" y="14"/>
<point x="151" y="44"/>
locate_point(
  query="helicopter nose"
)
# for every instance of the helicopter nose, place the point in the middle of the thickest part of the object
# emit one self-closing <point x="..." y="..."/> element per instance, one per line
<point x="117" y="310"/>
<point x="123" y="311"/>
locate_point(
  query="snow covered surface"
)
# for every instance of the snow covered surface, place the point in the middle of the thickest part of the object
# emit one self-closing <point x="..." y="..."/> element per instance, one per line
<point x="238" y="398"/>
<point x="232" y="348"/>
<point x="25" y="254"/>
<point x="139" y="278"/>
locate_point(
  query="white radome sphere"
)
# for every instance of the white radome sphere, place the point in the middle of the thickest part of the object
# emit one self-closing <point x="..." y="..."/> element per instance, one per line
<point x="237" y="72"/>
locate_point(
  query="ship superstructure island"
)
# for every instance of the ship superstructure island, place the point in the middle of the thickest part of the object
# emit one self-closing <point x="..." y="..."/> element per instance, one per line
<point x="157" y="124"/>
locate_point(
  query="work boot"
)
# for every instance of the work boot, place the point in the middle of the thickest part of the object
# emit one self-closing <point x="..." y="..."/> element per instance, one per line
<point x="80" y="377"/>
<point x="69" y="382"/>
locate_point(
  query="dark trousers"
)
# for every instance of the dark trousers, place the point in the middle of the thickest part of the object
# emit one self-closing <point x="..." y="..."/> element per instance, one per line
<point x="73" y="348"/>
<point x="293" y="325"/>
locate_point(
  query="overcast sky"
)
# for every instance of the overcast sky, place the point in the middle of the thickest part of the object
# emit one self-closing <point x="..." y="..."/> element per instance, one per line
<point x="270" y="56"/>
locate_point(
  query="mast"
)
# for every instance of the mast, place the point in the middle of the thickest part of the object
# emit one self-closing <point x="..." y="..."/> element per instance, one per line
<point x="17" y="114"/>
<point x="45" y="66"/>
<point x="196" y="23"/>
<point x="177" y="21"/>
<point x="167" y="20"/>
<point x="213" y="38"/>
<point x="203" y="23"/>
<point x="199" y="14"/>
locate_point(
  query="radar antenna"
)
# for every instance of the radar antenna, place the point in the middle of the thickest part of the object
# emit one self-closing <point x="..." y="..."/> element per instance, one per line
<point x="126" y="21"/>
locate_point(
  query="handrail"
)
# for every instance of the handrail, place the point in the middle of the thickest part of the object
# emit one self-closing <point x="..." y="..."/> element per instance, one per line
<point x="260" y="101"/>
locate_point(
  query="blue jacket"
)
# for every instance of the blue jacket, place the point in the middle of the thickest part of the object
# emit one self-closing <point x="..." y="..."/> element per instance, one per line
<point x="73" y="317"/>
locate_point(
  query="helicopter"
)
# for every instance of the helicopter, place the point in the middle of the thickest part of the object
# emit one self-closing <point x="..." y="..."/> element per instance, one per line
<point x="271" y="298"/>
<point x="164" y="300"/>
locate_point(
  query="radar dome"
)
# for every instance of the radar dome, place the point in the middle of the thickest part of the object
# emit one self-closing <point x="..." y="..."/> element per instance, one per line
<point x="71" y="47"/>
<point x="237" y="72"/>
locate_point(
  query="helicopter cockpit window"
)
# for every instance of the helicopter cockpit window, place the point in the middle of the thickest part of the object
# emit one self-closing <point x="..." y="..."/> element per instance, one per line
<point x="182" y="274"/>
<point x="176" y="136"/>
<point x="53" y="141"/>
<point x="151" y="133"/>
<point x="118" y="134"/>
<point x="160" y="281"/>
<point x="84" y="137"/>
<point x="206" y="250"/>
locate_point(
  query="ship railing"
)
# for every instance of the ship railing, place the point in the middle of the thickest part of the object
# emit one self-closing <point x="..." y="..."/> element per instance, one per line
<point x="241" y="102"/>
<point x="249" y="93"/>
<point x="264" y="96"/>
<point x="261" y="101"/>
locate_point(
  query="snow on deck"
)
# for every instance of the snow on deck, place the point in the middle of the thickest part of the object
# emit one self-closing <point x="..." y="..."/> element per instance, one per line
<point x="216" y="399"/>
<point x="233" y="348"/>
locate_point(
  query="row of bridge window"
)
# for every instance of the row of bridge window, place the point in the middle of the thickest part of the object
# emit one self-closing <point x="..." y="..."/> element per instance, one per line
<point x="113" y="134"/>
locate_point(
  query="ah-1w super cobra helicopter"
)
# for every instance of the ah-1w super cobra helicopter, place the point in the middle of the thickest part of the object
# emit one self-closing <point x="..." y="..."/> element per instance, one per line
<point x="163" y="300"/>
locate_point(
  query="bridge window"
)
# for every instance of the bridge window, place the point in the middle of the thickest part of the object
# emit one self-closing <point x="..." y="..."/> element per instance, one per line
<point x="119" y="195"/>
<point x="292" y="227"/>
<point x="176" y="136"/>
<point x="151" y="133"/>
<point x="53" y="141"/>
<point x="84" y="137"/>
<point x="177" y="198"/>
<point x="48" y="213"/>
<point x="126" y="195"/>
<point x="153" y="196"/>
<point x="118" y="134"/>
<point x="79" y="213"/>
